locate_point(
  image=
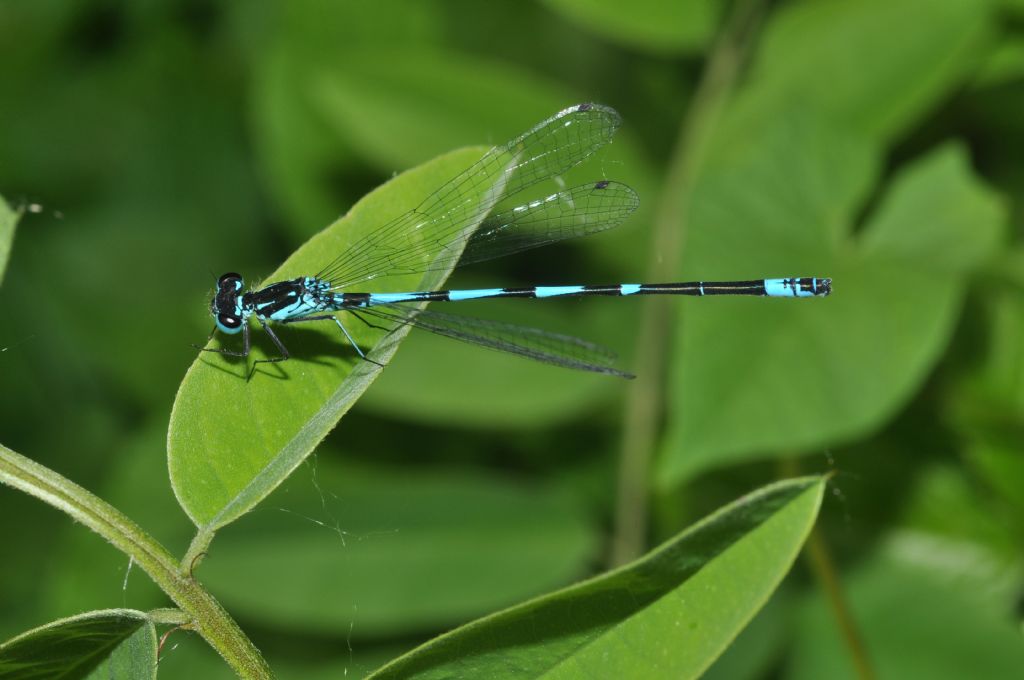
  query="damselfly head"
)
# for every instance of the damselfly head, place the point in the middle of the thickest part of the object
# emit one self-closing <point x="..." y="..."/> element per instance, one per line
<point x="224" y="306"/>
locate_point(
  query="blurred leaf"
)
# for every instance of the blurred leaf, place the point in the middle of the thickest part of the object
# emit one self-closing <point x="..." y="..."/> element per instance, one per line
<point x="994" y="395"/>
<point x="99" y="644"/>
<point x="944" y="503"/>
<point x="186" y="655"/>
<point x="925" y="611"/>
<point x="300" y="159"/>
<point x="309" y="169"/>
<point x="1002" y="465"/>
<point x="384" y="100"/>
<point x="871" y="66"/>
<point x="1004" y="65"/>
<point x="704" y="584"/>
<point x="987" y="405"/>
<point x="154" y="242"/>
<point x="653" y="26"/>
<point x="231" y="440"/>
<point x="325" y="31"/>
<point x="1014" y="5"/>
<point x="374" y="551"/>
<point x="30" y="31"/>
<point x="149" y="195"/>
<point x="8" y="220"/>
<point x="759" y="375"/>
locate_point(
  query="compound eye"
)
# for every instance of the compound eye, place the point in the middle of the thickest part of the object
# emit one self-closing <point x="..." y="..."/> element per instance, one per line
<point x="230" y="280"/>
<point x="228" y="321"/>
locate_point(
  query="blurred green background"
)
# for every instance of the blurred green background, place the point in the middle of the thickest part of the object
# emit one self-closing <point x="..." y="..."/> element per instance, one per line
<point x="159" y="144"/>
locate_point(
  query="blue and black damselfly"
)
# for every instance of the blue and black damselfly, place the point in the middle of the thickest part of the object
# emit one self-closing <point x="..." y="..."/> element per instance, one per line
<point x="458" y="224"/>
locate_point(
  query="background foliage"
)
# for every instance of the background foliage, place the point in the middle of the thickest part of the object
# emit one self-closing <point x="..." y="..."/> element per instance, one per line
<point x="874" y="141"/>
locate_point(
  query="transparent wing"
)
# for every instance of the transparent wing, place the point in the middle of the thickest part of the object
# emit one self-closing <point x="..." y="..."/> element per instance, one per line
<point x="533" y="343"/>
<point x="432" y="235"/>
<point x="579" y="211"/>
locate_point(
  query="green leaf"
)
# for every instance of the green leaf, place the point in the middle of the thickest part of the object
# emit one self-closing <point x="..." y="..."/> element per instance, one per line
<point x="872" y="66"/>
<point x="760" y="376"/>
<point x="120" y="642"/>
<point x="757" y="649"/>
<point x="925" y="610"/>
<point x="669" y="614"/>
<point x="232" y="441"/>
<point x="134" y="658"/>
<point x="649" y="25"/>
<point x="8" y="220"/>
<point x="393" y="550"/>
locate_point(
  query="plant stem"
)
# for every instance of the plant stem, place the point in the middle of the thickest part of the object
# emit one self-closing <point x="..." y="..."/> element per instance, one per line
<point x="825" y="572"/>
<point x="206" y="615"/>
<point x="196" y="550"/>
<point x="644" y="402"/>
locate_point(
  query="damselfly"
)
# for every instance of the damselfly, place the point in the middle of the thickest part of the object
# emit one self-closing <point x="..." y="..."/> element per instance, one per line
<point x="459" y="224"/>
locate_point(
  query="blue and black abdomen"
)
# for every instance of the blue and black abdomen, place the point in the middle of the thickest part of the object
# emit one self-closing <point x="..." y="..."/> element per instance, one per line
<point x="791" y="287"/>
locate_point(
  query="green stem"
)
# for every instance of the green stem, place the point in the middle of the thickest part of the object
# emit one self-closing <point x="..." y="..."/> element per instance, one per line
<point x="644" y="403"/>
<point x="206" y="615"/>
<point x="168" y="616"/>
<point x="828" y="578"/>
<point x="196" y="550"/>
<point x="823" y="568"/>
